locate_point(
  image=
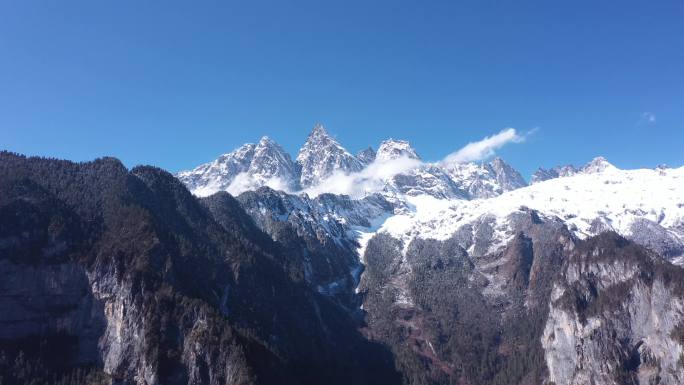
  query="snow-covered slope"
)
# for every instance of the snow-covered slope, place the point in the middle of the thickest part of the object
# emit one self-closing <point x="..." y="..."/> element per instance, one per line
<point x="645" y="205"/>
<point x="393" y="149"/>
<point x="597" y="164"/>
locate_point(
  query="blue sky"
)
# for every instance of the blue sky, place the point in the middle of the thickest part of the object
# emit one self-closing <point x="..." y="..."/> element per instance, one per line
<point x="175" y="84"/>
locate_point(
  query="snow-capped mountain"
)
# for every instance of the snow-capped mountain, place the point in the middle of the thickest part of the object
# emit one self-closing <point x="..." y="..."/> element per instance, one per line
<point x="248" y="167"/>
<point x="392" y="149"/>
<point x="644" y="205"/>
<point x="437" y="200"/>
<point x="395" y="170"/>
<point x="485" y="180"/>
<point x="321" y="156"/>
<point x="215" y="176"/>
<point x="595" y="165"/>
<point x="366" y="156"/>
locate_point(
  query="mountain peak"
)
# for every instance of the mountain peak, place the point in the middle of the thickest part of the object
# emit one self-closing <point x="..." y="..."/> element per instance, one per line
<point x="393" y="149"/>
<point x="318" y="130"/>
<point x="598" y="164"/>
<point x="498" y="162"/>
<point x="321" y="156"/>
<point x="266" y="141"/>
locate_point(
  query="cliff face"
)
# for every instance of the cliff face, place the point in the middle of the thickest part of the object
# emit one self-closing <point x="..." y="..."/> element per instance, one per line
<point x="615" y="317"/>
<point x="548" y="308"/>
<point x="127" y="275"/>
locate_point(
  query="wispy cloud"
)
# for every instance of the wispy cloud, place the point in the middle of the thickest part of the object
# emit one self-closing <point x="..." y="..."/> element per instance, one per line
<point x="647" y="118"/>
<point x="484" y="148"/>
<point x="369" y="180"/>
<point x="374" y="177"/>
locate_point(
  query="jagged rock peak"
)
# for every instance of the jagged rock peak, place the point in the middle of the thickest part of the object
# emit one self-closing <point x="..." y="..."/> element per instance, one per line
<point x="392" y="149"/>
<point x="271" y="161"/>
<point x="366" y="156"/>
<point x="318" y="129"/>
<point x="252" y="165"/>
<point x="507" y="177"/>
<point x="543" y="174"/>
<point x="321" y="156"/>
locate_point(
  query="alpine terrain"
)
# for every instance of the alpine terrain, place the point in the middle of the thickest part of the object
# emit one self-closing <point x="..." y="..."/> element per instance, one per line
<point x="333" y="268"/>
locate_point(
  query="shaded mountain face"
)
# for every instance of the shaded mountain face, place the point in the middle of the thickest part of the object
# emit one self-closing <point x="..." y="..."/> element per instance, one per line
<point x="467" y="291"/>
<point x="128" y="278"/>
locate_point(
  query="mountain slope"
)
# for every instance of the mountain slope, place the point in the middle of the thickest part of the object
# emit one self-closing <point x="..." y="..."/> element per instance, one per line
<point x="127" y="274"/>
<point x="643" y="205"/>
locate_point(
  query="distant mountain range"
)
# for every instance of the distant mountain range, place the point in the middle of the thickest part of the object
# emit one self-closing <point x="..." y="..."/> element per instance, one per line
<point x="322" y="157"/>
<point x="641" y="204"/>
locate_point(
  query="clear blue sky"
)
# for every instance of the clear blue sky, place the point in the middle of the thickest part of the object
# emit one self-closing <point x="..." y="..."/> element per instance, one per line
<point x="176" y="83"/>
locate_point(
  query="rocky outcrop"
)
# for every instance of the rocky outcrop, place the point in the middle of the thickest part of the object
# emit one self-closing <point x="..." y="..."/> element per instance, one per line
<point x="615" y="317"/>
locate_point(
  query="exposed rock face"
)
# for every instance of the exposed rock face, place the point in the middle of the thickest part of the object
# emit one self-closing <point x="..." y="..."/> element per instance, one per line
<point x="615" y="317"/>
<point x="321" y="156"/>
<point x="466" y="276"/>
<point x="458" y="316"/>
<point x="486" y="180"/>
<point x="321" y="231"/>
<point x="425" y="180"/>
<point x="51" y="300"/>
<point x="271" y="161"/>
<point x="366" y="156"/>
<point x="131" y="275"/>
<point x="546" y="308"/>
<point x="507" y="177"/>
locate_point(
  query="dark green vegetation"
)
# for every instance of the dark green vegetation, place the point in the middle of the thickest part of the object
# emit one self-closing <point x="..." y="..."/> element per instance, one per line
<point x="116" y="276"/>
<point x="431" y="306"/>
<point x="132" y="274"/>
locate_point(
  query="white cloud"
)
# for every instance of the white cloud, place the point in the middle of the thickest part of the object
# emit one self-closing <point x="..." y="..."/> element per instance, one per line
<point x="647" y="118"/>
<point x="370" y="179"/>
<point x="246" y="182"/>
<point x="374" y="177"/>
<point x="484" y="148"/>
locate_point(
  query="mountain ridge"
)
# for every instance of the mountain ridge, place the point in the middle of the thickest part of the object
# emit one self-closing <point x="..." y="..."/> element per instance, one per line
<point x="321" y="159"/>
